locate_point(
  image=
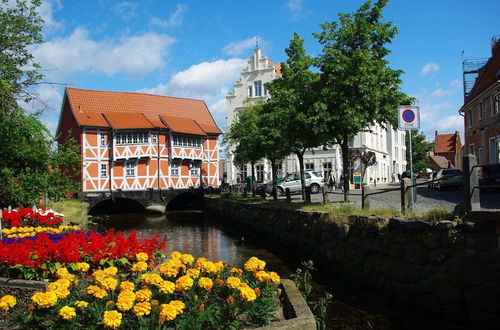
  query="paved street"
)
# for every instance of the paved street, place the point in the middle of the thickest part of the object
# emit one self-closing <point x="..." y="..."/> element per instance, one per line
<point x="427" y="199"/>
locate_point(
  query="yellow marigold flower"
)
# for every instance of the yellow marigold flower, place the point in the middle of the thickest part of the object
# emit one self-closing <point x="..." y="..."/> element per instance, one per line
<point x="141" y="309"/>
<point x="70" y="277"/>
<point x="124" y="304"/>
<point x="167" y="287"/>
<point x="219" y="266"/>
<point x="183" y="283"/>
<point x="143" y="295"/>
<point x="233" y="282"/>
<point x="81" y="304"/>
<point x="61" y="283"/>
<point x="187" y="259"/>
<point x="99" y="274"/>
<point x="166" y="269"/>
<point x="139" y="267"/>
<point x="151" y="279"/>
<point x="127" y="285"/>
<point x="7" y="302"/>
<point x="97" y="291"/>
<point x="112" y="319"/>
<point x="247" y="294"/>
<point x="82" y="266"/>
<point x="254" y="264"/>
<point x="44" y="299"/>
<point x="199" y="262"/>
<point x="142" y="256"/>
<point x="274" y="277"/>
<point x="111" y="270"/>
<point x="175" y="255"/>
<point x="236" y="271"/>
<point x="206" y="283"/>
<point x="178" y="305"/>
<point x="193" y="272"/>
<point x="67" y="313"/>
<point x="209" y="267"/>
<point x="62" y="271"/>
<point x="62" y="293"/>
<point x="167" y="313"/>
<point x="261" y="276"/>
<point x="108" y="283"/>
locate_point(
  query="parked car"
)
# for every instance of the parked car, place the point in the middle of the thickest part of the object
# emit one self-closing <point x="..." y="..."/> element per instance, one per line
<point x="489" y="175"/>
<point x="449" y="178"/>
<point x="314" y="180"/>
<point x="266" y="187"/>
<point x="432" y="176"/>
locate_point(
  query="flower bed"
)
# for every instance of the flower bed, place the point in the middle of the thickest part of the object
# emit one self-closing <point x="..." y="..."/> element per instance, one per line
<point x="30" y="217"/>
<point x="182" y="293"/>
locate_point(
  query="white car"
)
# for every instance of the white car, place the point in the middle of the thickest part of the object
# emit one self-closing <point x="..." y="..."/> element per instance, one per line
<point x="314" y="180"/>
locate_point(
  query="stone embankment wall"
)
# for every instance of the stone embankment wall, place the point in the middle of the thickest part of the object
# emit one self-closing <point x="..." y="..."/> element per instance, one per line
<point x="445" y="272"/>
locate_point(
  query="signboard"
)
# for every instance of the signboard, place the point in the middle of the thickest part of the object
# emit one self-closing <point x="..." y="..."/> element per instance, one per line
<point x="357" y="177"/>
<point x="409" y="117"/>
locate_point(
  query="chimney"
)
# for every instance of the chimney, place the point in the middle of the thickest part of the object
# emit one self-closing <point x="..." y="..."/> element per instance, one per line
<point x="495" y="44"/>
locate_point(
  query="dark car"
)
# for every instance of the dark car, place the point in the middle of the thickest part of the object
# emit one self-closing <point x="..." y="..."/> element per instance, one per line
<point x="489" y="175"/>
<point x="449" y="178"/>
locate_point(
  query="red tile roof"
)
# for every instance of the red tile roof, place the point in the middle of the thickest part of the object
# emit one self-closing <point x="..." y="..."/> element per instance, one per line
<point x="130" y="110"/>
<point x="182" y="125"/>
<point x="444" y="143"/>
<point x="488" y="75"/>
<point x="277" y="67"/>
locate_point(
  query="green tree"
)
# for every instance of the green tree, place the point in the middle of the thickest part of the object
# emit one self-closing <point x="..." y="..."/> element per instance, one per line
<point x="357" y="86"/>
<point x="292" y="99"/>
<point x="31" y="166"/>
<point x="420" y="148"/>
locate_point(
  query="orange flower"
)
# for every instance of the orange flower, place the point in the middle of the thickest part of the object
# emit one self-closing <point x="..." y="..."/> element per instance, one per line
<point x="230" y="300"/>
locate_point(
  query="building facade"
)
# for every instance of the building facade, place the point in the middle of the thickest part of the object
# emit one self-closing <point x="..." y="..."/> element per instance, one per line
<point x="481" y="110"/>
<point x="387" y="143"/>
<point x="447" y="151"/>
<point x="135" y="141"/>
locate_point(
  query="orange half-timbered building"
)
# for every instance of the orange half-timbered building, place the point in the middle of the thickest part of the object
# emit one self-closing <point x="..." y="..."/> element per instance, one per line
<point x="136" y="141"/>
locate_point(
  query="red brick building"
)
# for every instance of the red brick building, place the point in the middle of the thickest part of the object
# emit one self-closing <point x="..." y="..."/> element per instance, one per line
<point x="447" y="151"/>
<point x="481" y="111"/>
<point x="136" y="141"/>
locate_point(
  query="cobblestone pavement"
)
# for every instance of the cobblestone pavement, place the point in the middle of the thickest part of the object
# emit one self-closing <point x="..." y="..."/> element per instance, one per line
<point x="427" y="199"/>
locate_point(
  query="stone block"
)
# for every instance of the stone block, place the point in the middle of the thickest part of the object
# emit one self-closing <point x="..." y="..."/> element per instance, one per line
<point x="397" y="223"/>
<point x="426" y="305"/>
<point x="449" y="294"/>
<point x="455" y="314"/>
<point x="484" y="298"/>
<point x="416" y="255"/>
<point x="417" y="225"/>
<point x="463" y="270"/>
<point x="445" y="225"/>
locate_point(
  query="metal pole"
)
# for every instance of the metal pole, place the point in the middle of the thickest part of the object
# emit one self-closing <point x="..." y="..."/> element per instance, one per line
<point x="411" y="171"/>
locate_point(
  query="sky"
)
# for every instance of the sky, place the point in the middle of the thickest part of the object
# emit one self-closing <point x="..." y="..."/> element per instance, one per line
<point x="197" y="49"/>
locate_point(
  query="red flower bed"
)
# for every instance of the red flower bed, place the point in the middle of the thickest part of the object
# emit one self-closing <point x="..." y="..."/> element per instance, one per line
<point x="74" y="247"/>
<point x="26" y="217"/>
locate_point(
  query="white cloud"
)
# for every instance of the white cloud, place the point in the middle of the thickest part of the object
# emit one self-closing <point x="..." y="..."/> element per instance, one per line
<point x="138" y="55"/>
<point x="428" y="68"/>
<point x="239" y="47"/>
<point x="174" y="20"/>
<point x="297" y="9"/>
<point x="447" y="125"/>
<point x="207" y="81"/>
<point x="46" y="10"/>
<point x="125" y="9"/>
<point x="442" y="92"/>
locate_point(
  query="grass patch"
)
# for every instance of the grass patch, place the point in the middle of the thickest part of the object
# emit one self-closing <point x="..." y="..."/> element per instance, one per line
<point x="437" y="215"/>
<point x="73" y="210"/>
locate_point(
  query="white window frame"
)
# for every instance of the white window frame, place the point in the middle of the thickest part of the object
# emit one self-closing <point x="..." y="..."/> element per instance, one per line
<point x="480" y="156"/>
<point x="102" y="139"/>
<point x="250" y="89"/>
<point x="495" y="104"/>
<point x="154" y="137"/>
<point x="187" y="141"/>
<point x="259" y="171"/>
<point x="130" y="167"/>
<point x="470" y="119"/>
<point x="480" y="110"/>
<point x="243" y="172"/>
<point x="104" y="170"/>
<point x="309" y="166"/>
<point x="258" y="87"/>
<point x="195" y="169"/>
<point x="174" y="167"/>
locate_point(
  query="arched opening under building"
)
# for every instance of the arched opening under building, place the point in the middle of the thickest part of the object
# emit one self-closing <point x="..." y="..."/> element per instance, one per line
<point x="186" y="201"/>
<point x="118" y="205"/>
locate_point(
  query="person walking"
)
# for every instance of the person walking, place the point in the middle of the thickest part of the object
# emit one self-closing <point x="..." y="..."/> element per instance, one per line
<point x="331" y="181"/>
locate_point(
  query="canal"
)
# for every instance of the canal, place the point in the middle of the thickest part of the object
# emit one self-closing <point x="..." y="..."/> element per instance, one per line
<point x="199" y="234"/>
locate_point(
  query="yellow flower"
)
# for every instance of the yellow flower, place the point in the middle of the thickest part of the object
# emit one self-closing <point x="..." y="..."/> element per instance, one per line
<point x="82" y="266"/>
<point x="151" y="279"/>
<point x="187" y="259"/>
<point x="67" y="313"/>
<point x="236" y="271"/>
<point x="261" y="276"/>
<point x="209" y="267"/>
<point x="139" y="267"/>
<point x="193" y="272"/>
<point x="183" y="283"/>
<point x="141" y="309"/>
<point x="175" y="255"/>
<point x="125" y="300"/>
<point x="233" y="282"/>
<point x="127" y="285"/>
<point x="274" y="277"/>
<point x="81" y="304"/>
<point x="59" y="284"/>
<point x="112" y="319"/>
<point x="111" y="270"/>
<point x="99" y="274"/>
<point x="44" y="299"/>
<point x="108" y="283"/>
<point x="141" y="256"/>
<point x="167" y="313"/>
<point x="247" y="294"/>
<point x="7" y="302"/>
<point x="206" y="283"/>
<point x="254" y="264"/>
<point x="143" y="295"/>
<point x="167" y="287"/>
<point x="62" y="293"/>
<point x="178" y="305"/>
<point x="199" y="262"/>
<point x="62" y="271"/>
<point x="219" y="266"/>
<point x="168" y="269"/>
<point x="96" y="291"/>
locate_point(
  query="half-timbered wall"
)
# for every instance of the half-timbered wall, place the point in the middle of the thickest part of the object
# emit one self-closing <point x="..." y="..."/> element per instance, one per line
<point x="146" y="165"/>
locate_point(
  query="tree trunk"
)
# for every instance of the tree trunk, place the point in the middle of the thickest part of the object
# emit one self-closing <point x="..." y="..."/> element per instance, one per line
<point x="253" y="178"/>
<point x="300" y="156"/>
<point x="273" y="173"/>
<point x="345" y="168"/>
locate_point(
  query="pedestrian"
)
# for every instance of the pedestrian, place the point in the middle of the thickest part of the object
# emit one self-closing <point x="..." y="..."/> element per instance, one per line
<point x="331" y="182"/>
<point x="341" y="182"/>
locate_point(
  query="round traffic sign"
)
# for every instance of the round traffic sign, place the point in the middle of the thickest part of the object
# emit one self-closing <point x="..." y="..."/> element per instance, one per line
<point x="408" y="115"/>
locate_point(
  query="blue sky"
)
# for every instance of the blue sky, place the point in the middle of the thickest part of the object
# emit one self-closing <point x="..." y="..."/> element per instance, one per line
<point x="197" y="49"/>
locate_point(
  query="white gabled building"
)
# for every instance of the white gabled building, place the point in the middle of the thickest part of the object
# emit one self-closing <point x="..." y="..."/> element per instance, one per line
<point x="387" y="143"/>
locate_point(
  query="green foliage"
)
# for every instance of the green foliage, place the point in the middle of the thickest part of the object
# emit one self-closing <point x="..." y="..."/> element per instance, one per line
<point x="357" y="87"/>
<point x="303" y="281"/>
<point x="437" y="215"/>
<point x="419" y="150"/>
